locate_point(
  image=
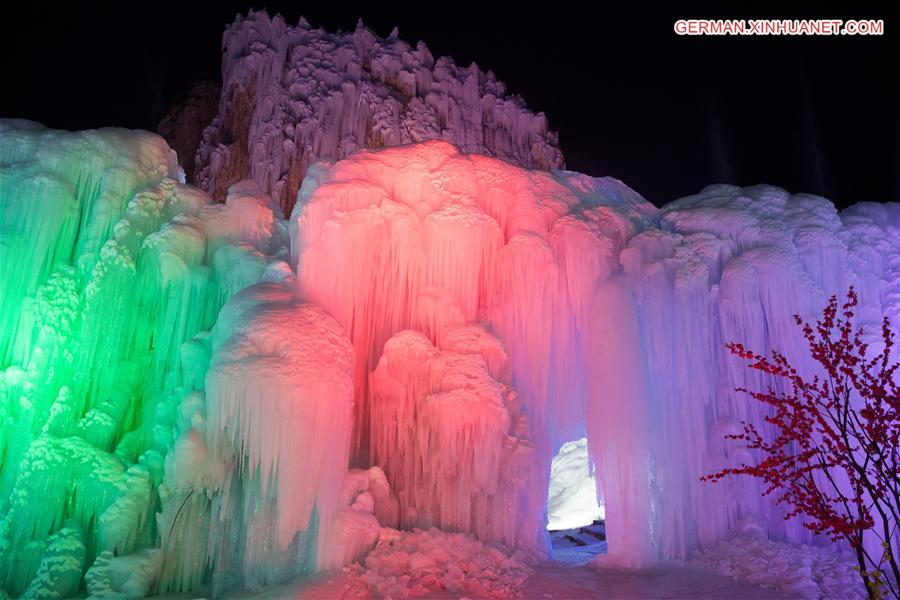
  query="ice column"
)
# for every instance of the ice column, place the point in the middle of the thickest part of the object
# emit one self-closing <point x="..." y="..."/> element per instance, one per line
<point x="279" y="403"/>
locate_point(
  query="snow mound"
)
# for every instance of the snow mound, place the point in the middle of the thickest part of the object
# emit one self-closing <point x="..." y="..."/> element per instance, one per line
<point x="366" y="505"/>
<point x="292" y="95"/>
<point x="415" y="563"/>
<point x="809" y="571"/>
<point x="572" y="501"/>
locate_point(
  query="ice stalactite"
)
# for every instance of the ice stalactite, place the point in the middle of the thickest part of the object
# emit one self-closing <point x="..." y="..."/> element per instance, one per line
<point x="62" y="196"/>
<point x="618" y="420"/>
<point x="64" y="200"/>
<point x="191" y="478"/>
<point x="428" y="239"/>
<point x="279" y="410"/>
<point x="292" y="95"/>
<point x="614" y="315"/>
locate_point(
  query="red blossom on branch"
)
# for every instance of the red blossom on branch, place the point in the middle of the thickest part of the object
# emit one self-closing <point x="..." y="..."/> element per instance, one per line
<point x="833" y="458"/>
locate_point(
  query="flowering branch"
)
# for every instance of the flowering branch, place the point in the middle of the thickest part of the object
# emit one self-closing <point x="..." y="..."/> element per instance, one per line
<point x="834" y="456"/>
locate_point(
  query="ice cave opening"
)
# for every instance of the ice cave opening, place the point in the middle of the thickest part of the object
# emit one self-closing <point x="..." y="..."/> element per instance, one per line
<point x="575" y="516"/>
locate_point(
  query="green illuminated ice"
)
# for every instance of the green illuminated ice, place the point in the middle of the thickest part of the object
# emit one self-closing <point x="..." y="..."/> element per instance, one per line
<point x="113" y="273"/>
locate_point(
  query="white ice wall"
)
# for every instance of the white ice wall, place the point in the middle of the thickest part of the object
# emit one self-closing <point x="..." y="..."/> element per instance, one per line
<point x="279" y="399"/>
<point x="728" y="264"/>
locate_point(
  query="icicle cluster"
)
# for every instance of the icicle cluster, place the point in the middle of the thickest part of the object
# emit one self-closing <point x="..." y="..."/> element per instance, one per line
<point x="441" y="426"/>
<point x="429" y="239"/>
<point x="292" y="95"/>
<point x="279" y="402"/>
<point x="109" y="265"/>
<point x="728" y="264"/>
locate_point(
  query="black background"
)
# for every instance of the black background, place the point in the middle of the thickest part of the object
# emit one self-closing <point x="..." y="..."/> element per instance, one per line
<point x="666" y="114"/>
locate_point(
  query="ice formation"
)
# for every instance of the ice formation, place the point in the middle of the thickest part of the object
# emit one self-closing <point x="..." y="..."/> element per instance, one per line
<point x="279" y="396"/>
<point x="114" y="272"/>
<point x="727" y="264"/>
<point x="366" y="505"/>
<point x="613" y="314"/>
<point x="572" y="498"/>
<point x="429" y="239"/>
<point x="442" y="428"/>
<point x="292" y="95"/>
<point x="127" y="577"/>
<point x="184" y="384"/>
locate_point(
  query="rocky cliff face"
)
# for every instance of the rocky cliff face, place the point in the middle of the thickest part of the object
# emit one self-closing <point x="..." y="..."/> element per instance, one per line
<point x="183" y="125"/>
<point x="292" y="95"/>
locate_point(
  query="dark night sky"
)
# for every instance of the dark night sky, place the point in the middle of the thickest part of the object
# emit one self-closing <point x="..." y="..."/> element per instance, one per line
<point x="664" y="113"/>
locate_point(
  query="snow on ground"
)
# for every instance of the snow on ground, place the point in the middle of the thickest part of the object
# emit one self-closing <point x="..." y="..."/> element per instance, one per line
<point x="809" y="571"/>
<point x="435" y="564"/>
<point x="555" y="580"/>
<point x="671" y="580"/>
<point x="579" y="546"/>
<point x="414" y="563"/>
